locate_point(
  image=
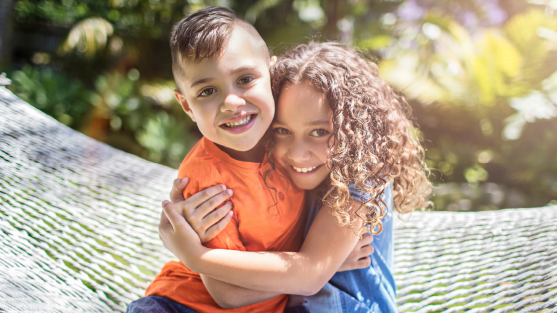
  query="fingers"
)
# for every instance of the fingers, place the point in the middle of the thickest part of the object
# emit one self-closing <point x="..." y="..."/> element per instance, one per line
<point x="204" y="195"/>
<point x="164" y="220"/>
<point x="215" y="216"/>
<point x="163" y="224"/>
<point x="177" y="192"/>
<point x="171" y="214"/>
<point x="366" y="240"/>
<point x="219" y="217"/>
<point x="365" y="251"/>
<point x="363" y="262"/>
<point x="208" y="206"/>
<point x="214" y="230"/>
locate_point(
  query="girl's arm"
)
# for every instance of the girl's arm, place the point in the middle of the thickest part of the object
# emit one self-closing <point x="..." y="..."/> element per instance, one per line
<point x="324" y="250"/>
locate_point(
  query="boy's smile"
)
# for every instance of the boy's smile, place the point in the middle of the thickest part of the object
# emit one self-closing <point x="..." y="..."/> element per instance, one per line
<point x="229" y="96"/>
<point x="239" y="124"/>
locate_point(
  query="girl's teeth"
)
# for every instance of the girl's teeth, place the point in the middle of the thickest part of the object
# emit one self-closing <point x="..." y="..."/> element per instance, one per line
<point x="304" y="169"/>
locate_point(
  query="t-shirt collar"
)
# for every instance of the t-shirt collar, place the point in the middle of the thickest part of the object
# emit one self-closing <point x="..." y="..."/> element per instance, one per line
<point x="212" y="149"/>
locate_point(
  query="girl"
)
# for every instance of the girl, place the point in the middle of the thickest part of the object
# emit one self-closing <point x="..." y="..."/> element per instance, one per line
<point x="343" y="135"/>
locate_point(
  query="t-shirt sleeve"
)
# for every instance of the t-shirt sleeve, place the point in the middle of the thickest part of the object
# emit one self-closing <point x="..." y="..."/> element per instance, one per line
<point x="203" y="174"/>
<point x="362" y="196"/>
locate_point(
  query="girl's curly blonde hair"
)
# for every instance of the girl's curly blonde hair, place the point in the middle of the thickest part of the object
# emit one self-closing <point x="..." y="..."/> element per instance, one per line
<point x="374" y="140"/>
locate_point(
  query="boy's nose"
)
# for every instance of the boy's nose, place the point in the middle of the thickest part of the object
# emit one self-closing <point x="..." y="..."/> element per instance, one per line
<point x="232" y="102"/>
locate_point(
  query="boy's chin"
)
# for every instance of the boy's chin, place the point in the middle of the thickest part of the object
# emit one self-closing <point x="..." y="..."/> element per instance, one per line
<point x="240" y="145"/>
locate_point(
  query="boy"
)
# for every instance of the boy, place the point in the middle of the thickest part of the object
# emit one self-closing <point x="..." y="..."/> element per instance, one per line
<point x="221" y="65"/>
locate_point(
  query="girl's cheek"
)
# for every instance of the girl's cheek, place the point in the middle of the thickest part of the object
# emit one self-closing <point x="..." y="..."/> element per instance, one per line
<point x="320" y="149"/>
<point x="278" y="151"/>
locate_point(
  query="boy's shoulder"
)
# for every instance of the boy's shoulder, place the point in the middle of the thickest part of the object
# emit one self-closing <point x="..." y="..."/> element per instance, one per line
<point x="201" y="168"/>
<point x="198" y="161"/>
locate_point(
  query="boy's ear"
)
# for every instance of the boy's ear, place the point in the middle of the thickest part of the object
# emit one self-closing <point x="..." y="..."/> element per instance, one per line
<point x="273" y="60"/>
<point x="184" y="103"/>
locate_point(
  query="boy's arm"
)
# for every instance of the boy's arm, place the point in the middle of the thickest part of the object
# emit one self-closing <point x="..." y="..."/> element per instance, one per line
<point x="201" y="213"/>
<point x="230" y="296"/>
<point x="200" y="210"/>
<point x="324" y="250"/>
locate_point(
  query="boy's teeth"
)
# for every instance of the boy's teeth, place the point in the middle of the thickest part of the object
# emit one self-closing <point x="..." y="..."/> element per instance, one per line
<point x="241" y="122"/>
<point x="304" y="169"/>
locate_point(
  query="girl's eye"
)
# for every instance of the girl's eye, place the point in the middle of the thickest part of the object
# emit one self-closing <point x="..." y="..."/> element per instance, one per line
<point x="319" y="132"/>
<point x="207" y="92"/>
<point x="245" y="80"/>
<point x="282" y="131"/>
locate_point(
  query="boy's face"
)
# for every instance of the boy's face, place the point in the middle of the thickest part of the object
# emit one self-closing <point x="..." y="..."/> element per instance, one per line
<point x="229" y="96"/>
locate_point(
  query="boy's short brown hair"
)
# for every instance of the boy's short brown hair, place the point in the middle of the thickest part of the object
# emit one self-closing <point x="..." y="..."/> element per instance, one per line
<point x="202" y="35"/>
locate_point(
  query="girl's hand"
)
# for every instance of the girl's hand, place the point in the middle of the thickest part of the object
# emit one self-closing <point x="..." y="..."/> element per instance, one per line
<point x="178" y="236"/>
<point x="200" y="209"/>
<point x="359" y="257"/>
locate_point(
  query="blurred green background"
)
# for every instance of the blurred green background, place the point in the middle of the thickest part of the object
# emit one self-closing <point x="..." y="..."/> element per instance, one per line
<point x="481" y="76"/>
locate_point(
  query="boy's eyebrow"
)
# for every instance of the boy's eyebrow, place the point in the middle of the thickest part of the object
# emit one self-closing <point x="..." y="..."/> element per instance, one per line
<point x="243" y="68"/>
<point x="201" y="81"/>
<point x="208" y="79"/>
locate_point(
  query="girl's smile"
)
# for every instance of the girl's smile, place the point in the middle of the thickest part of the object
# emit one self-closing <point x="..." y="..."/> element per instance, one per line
<point x="302" y="130"/>
<point x="305" y="169"/>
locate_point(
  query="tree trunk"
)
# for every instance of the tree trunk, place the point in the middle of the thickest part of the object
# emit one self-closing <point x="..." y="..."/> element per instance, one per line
<point x="330" y="30"/>
<point x="6" y="31"/>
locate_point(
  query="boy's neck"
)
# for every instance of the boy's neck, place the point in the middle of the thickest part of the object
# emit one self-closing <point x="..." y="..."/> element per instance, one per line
<point x="255" y="154"/>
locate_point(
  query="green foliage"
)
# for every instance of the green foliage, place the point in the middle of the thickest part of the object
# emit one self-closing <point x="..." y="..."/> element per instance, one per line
<point x="164" y="136"/>
<point x="479" y="99"/>
<point x="53" y="93"/>
<point x="144" y="114"/>
<point x="480" y="78"/>
<point x="128" y="114"/>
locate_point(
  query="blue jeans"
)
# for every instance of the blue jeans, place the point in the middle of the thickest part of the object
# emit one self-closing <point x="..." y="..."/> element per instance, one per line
<point x="157" y="304"/>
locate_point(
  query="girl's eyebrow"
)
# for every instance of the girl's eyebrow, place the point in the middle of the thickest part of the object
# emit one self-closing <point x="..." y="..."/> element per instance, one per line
<point x="318" y="122"/>
<point x="310" y="123"/>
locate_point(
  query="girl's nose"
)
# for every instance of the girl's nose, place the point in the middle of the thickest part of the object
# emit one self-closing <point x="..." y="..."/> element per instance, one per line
<point x="232" y="102"/>
<point x="299" y="152"/>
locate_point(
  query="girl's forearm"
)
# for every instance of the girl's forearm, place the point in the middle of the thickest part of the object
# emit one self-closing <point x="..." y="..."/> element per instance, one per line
<point x="306" y="272"/>
<point x="276" y="272"/>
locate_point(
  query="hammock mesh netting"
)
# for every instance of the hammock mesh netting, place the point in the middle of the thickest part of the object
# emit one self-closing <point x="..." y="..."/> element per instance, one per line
<point x="78" y="233"/>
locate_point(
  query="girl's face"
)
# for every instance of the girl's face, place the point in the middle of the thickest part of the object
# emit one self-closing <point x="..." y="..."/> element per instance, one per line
<point x="302" y="128"/>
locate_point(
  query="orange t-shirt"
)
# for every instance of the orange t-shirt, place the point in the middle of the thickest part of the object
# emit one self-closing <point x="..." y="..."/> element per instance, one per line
<point x="256" y="224"/>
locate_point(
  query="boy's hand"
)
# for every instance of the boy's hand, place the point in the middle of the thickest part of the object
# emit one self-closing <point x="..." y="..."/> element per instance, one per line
<point x="359" y="257"/>
<point x="178" y="236"/>
<point x="200" y="209"/>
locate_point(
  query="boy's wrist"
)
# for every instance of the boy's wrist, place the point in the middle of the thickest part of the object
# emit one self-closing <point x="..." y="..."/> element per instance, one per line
<point x="192" y="257"/>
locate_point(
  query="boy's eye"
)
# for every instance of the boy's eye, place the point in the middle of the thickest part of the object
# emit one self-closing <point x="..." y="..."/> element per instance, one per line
<point x="245" y="80"/>
<point x="282" y="131"/>
<point x="207" y="92"/>
<point x="319" y="132"/>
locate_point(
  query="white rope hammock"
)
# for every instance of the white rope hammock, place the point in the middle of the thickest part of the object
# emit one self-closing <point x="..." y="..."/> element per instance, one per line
<point x="78" y="233"/>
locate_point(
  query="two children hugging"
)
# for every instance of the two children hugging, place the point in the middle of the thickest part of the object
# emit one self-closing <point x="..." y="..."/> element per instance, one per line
<point x="270" y="205"/>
